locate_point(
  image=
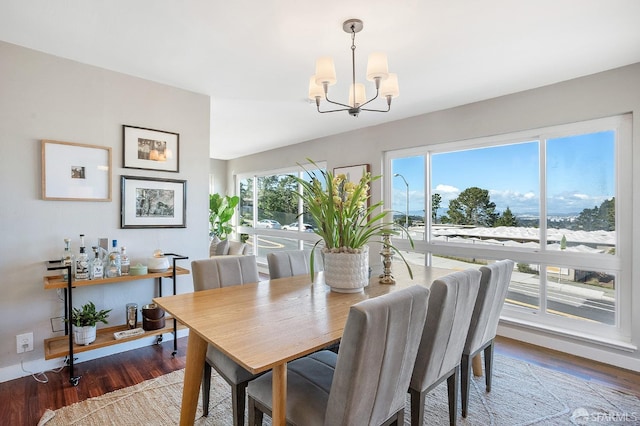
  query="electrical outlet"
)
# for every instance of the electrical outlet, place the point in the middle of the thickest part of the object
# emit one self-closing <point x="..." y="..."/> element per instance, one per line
<point x="24" y="342"/>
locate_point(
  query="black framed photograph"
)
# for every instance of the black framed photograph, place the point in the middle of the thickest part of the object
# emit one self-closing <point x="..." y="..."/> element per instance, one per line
<point x="153" y="202"/>
<point x="75" y="171"/>
<point x="150" y="149"/>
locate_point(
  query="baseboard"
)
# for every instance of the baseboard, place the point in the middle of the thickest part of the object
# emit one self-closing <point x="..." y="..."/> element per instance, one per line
<point x="16" y="371"/>
<point x="575" y="347"/>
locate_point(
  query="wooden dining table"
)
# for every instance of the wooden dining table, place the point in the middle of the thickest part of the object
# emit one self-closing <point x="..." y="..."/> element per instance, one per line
<point x="262" y="326"/>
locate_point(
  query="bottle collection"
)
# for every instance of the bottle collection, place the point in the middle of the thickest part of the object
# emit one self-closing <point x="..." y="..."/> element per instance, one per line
<point x="101" y="264"/>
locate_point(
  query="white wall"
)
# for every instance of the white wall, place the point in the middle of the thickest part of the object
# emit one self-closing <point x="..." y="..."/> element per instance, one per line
<point x="218" y="176"/>
<point x="600" y="95"/>
<point x="46" y="97"/>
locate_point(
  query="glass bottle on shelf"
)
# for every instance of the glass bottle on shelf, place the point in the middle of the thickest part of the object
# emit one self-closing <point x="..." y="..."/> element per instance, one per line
<point x="82" y="262"/>
<point x="113" y="267"/>
<point x="67" y="259"/>
<point x="124" y="261"/>
<point x="96" y="266"/>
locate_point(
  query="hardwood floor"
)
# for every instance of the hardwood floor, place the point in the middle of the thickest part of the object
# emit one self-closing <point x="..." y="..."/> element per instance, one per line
<point x="586" y="369"/>
<point x="23" y="401"/>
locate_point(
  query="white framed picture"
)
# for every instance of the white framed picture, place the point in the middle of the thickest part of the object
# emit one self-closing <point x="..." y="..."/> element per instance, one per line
<point x="75" y="171"/>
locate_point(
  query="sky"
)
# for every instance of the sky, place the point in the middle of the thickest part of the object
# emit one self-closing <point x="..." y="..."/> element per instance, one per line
<point x="580" y="174"/>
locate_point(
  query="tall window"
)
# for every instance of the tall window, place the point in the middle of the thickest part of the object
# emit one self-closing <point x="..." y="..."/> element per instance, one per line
<point x="271" y="214"/>
<point x="408" y="201"/>
<point x="245" y="206"/>
<point x="548" y="199"/>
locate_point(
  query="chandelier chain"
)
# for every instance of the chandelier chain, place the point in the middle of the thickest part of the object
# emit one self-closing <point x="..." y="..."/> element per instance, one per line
<point x="353" y="63"/>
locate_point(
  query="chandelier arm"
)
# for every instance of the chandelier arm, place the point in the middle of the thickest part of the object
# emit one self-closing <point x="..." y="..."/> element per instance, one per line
<point x="333" y="110"/>
<point x="372" y="99"/>
<point x="325" y="87"/>
<point x="326" y="98"/>
<point x="376" y="110"/>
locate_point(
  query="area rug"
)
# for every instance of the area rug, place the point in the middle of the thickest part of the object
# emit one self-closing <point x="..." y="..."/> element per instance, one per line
<point x="522" y="394"/>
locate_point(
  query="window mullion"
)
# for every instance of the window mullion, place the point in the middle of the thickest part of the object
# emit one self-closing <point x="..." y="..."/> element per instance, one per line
<point x="542" y="146"/>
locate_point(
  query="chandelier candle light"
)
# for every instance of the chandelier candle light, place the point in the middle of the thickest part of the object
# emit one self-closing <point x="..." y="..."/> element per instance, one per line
<point x="377" y="71"/>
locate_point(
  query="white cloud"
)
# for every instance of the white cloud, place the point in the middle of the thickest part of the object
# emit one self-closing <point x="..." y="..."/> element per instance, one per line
<point x="447" y="189"/>
<point x="513" y="196"/>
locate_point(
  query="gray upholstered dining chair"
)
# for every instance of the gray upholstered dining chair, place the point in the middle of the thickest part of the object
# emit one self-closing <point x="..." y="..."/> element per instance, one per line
<point x="287" y="263"/>
<point x="450" y="306"/>
<point x="366" y="383"/>
<point x="484" y="323"/>
<point x="217" y="272"/>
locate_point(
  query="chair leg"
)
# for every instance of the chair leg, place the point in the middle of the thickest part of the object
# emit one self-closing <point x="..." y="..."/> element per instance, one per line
<point x="465" y="382"/>
<point x="417" y="407"/>
<point x="488" y="365"/>
<point x="452" y="388"/>
<point x="255" y="415"/>
<point x="206" y="389"/>
<point x="238" y="395"/>
<point x="396" y="420"/>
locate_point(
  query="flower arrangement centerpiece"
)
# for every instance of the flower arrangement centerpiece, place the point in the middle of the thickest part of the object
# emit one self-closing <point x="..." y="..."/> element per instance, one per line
<point x="346" y="222"/>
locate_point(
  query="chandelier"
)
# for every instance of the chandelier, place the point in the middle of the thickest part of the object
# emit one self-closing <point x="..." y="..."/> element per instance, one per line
<point x="377" y="71"/>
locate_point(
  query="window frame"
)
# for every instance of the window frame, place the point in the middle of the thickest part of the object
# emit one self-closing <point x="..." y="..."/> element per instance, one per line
<point x="253" y="231"/>
<point x="619" y="264"/>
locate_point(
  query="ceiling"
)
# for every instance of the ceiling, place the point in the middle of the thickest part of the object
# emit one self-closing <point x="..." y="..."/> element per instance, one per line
<point x="254" y="58"/>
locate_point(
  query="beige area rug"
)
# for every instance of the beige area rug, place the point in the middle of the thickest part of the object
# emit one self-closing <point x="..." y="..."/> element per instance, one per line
<point x="522" y="394"/>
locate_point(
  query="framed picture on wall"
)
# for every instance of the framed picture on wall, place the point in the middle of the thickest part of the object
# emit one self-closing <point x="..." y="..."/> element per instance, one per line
<point x="353" y="173"/>
<point x="75" y="171"/>
<point x="153" y="202"/>
<point x="150" y="149"/>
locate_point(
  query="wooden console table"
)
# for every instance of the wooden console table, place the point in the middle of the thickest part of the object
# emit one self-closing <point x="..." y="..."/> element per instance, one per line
<point x="60" y="346"/>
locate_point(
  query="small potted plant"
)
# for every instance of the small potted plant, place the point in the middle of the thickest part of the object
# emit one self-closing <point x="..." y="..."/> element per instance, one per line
<point x="84" y="322"/>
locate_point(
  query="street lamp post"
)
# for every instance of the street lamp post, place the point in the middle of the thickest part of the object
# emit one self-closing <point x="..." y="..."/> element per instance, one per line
<point x="406" y="217"/>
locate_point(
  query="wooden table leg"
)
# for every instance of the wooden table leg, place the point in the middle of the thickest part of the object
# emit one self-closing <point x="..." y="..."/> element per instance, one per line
<point x="476" y="365"/>
<point x="279" y="390"/>
<point x="196" y="352"/>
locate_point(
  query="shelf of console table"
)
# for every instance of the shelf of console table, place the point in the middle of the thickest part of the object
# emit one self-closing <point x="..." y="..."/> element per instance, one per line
<point x="57" y="347"/>
<point x="57" y="281"/>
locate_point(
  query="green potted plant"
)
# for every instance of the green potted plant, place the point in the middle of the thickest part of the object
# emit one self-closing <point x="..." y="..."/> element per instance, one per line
<point x="84" y="322"/>
<point x="346" y="223"/>
<point x="221" y="209"/>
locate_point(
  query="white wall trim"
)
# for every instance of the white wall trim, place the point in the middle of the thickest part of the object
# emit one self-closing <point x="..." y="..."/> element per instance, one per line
<point x="570" y="345"/>
<point x="15" y="371"/>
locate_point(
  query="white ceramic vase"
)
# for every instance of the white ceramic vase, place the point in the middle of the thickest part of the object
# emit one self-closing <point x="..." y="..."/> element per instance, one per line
<point x="347" y="272"/>
<point x="84" y="335"/>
